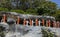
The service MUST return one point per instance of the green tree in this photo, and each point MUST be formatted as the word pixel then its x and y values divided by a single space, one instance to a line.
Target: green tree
pixel 3 9
pixel 57 14
pixel 6 4
pixel 40 7
pixel 47 8
pixel 31 11
pixel 18 11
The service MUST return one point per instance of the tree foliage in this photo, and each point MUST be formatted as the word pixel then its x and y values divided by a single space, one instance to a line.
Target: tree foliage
pixel 3 9
pixel 19 11
pixel 31 11
pixel 57 15
pixel 37 7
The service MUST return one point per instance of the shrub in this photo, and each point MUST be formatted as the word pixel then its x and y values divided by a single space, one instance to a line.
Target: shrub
pixel 3 9
pixel 48 33
pixel 31 11
pixel 18 11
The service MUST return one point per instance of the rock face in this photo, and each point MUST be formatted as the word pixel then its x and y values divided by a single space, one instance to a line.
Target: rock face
pixel 24 31
pixel 3 24
pixel 27 31
pixel 33 31
pixel 10 21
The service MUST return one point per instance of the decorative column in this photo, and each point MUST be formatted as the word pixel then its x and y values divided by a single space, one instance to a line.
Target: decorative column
pixel 30 22
pixel 43 22
pixel 24 22
pixel 54 23
pixel 36 22
pixel 18 20
pixel 39 22
pixel 58 23
pixel 46 23
pixel 4 18
pixel 49 23
pixel 27 22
